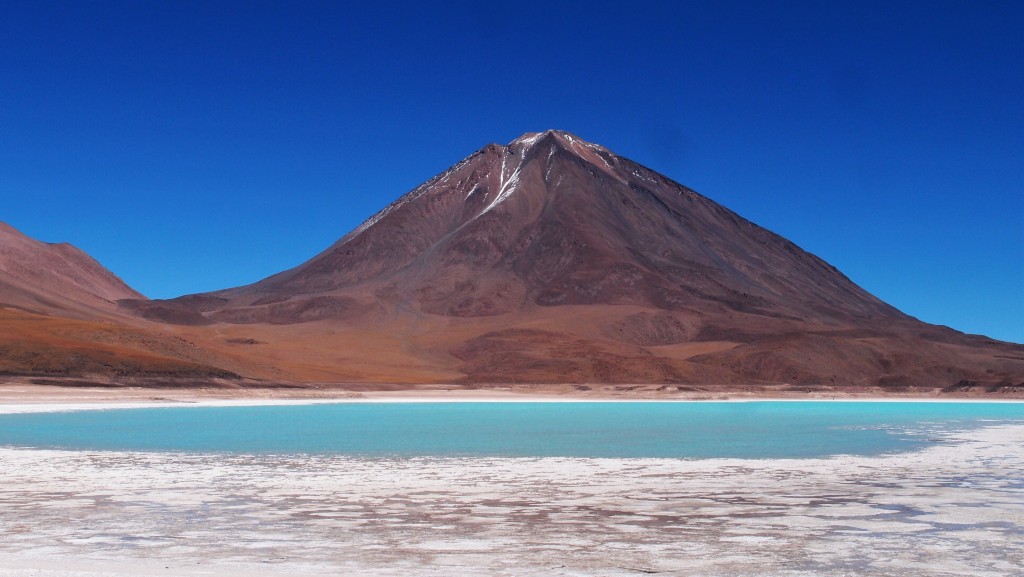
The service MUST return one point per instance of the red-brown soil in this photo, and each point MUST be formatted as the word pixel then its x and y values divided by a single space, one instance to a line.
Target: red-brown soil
pixel 40 345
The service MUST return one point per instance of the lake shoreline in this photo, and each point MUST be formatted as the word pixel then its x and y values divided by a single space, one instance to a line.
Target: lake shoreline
pixel 18 397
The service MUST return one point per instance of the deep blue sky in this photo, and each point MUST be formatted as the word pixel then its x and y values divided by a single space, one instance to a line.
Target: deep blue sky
pixel 191 146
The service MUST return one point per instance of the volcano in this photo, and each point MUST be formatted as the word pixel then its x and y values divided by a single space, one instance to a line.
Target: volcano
pixel 554 260
pixel 551 220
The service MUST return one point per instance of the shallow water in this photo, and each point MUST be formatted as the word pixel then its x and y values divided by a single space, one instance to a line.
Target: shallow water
pixel 754 430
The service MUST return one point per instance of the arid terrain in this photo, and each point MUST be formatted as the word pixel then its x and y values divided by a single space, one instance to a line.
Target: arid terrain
pixel 549 264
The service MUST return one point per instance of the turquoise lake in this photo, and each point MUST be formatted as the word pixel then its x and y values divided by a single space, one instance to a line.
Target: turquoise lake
pixel 587 429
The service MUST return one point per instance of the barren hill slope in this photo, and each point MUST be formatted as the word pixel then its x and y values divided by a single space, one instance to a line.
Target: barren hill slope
pixel 56 278
pixel 59 318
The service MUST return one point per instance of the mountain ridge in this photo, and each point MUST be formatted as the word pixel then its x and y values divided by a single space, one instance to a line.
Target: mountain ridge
pixel 51 277
pixel 60 317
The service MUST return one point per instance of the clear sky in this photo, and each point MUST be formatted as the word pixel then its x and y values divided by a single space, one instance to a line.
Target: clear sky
pixel 197 145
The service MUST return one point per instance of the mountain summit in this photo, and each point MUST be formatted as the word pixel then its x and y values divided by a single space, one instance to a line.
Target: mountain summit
pixel 552 259
pixel 553 220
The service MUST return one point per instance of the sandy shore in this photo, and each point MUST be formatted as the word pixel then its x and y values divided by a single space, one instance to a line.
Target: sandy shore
pixel 19 397
pixel 956 508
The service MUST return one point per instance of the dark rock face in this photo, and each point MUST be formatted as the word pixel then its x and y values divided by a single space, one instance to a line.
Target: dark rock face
pixel 552 259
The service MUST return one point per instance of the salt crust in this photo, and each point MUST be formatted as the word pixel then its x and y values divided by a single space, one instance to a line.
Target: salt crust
pixel 955 508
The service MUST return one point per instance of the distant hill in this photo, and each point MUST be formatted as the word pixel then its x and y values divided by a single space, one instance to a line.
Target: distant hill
pixel 59 318
pixel 56 278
